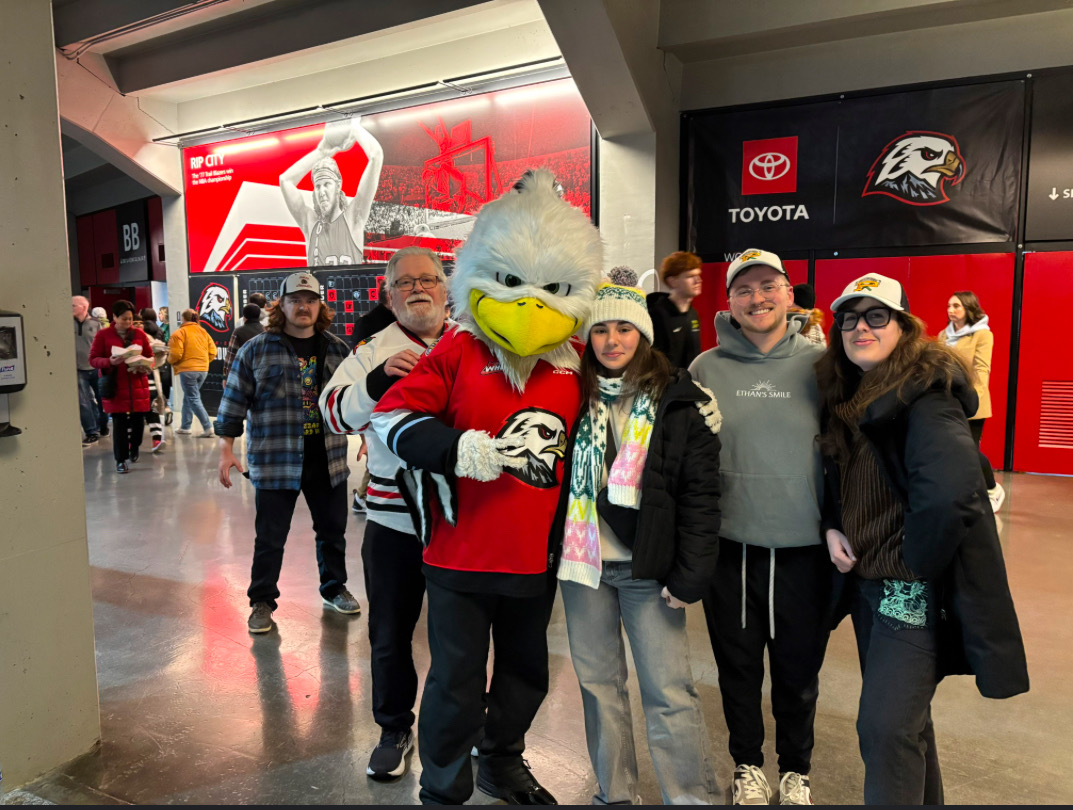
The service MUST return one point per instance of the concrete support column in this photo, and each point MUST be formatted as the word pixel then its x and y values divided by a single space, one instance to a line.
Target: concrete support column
pixel 178 277
pixel 48 683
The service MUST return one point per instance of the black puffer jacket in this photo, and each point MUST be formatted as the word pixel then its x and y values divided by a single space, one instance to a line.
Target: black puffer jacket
pixel 923 444
pixel 678 523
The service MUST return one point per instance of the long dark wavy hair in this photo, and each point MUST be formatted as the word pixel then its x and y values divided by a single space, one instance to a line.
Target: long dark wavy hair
pixel 276 319
pixel 916 362
pixel 649 371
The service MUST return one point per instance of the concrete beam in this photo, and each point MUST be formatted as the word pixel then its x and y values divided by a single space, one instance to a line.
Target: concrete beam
pixel 265 32
pixel 116 128
pixel 77 21
pixel 590 45
pixel 698 30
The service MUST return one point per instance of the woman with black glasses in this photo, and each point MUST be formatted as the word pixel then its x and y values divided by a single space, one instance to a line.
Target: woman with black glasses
pixel 909 523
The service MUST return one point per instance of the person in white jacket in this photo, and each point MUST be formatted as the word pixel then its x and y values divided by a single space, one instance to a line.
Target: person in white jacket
pixel 391 550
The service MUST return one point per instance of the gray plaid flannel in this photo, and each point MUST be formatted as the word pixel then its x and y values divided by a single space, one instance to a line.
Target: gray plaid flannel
pixel 265 388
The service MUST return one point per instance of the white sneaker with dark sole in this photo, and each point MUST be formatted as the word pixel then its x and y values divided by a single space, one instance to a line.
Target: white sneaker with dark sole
pixel 997 496
pixel 750 786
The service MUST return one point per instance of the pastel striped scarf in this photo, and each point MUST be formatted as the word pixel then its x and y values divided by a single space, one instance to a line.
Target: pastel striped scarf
pixel 581 561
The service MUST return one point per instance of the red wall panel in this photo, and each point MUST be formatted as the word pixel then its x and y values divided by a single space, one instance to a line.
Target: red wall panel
pixel 106 246
pixel 713 296
pixel 1045 358
pixel 929 282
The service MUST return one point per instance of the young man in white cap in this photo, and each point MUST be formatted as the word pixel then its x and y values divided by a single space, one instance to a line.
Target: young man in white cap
pixel 334 225
pixel 773 575
pixel 275 381
pixel 390 552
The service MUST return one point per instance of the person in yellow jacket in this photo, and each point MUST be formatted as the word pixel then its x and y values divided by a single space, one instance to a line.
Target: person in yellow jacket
pixel 190 350
pixel 970 337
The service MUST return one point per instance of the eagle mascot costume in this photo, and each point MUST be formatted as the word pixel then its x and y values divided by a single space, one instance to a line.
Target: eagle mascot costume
pixel 482 423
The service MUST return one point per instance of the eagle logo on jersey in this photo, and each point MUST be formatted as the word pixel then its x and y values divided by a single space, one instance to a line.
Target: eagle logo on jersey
pixel 543 436
pixel 916 167
pixel 214 307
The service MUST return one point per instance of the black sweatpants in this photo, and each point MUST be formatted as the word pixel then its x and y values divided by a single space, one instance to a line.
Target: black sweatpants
pixel 395 586
pixel 127 432
pixel 802 587
pixel 275 508
pixel 452 706
pixel 899 669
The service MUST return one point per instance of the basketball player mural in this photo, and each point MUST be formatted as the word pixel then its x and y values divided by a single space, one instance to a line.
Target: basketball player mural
pixel 334 225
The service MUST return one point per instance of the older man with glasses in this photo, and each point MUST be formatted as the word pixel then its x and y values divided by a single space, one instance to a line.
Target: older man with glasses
pixel 770 591
pixel 391 552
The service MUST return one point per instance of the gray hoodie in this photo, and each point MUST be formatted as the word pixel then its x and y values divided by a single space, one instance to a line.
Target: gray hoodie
pixel 769 465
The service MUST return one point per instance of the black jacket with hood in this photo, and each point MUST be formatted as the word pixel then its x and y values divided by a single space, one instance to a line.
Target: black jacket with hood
pixel 677 537
pixel 922 442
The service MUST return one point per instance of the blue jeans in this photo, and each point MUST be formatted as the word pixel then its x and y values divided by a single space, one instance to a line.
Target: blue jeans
pixel 677 734
pixel 93 417
pixel 191 382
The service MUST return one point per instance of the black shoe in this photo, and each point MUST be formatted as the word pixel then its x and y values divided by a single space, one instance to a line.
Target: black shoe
pixel 122 467
pixel 92 438
pixel 388 759
pixel 260 620
pixel 510 779
pixel 104 431
pixel 134 456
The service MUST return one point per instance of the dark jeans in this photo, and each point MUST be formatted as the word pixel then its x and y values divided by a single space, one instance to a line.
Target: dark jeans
pixel 976 427
pixel 395 586
pixel 802 592
pixel 92 415
pixel 452 706
pixel 900 672
pixel 275 507
pixel 127 431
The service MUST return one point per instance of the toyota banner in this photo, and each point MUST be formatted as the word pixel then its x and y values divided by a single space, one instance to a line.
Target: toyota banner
pixel 927 167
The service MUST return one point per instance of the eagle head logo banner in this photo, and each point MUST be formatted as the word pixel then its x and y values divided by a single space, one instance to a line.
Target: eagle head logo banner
pixel 214 308
pixel 916 168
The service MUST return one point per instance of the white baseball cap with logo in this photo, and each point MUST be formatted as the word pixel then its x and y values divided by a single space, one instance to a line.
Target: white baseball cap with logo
pixel 885 290
pixel 299 282
pixel 753 258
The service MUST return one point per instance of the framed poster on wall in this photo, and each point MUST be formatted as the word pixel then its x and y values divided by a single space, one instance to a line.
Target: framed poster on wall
pixel 359 188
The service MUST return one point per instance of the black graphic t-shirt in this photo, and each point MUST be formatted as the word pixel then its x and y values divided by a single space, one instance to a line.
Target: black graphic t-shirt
pixel 306 349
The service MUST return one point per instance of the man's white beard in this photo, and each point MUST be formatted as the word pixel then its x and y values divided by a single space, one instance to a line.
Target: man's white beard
pixel 432 318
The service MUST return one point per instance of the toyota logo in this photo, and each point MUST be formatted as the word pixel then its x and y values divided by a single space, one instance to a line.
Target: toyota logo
pixel 769 166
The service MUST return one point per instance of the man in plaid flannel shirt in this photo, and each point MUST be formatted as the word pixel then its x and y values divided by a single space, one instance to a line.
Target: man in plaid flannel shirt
pixel 274 383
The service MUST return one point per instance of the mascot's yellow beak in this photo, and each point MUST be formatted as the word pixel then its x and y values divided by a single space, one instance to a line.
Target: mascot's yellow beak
pixel 559 448
pixel 524 327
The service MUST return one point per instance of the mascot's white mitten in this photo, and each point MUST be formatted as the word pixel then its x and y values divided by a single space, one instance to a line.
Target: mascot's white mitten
pixel 483 458
pixel 709 410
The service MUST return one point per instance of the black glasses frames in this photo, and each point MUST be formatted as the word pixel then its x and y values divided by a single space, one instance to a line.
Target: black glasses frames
pixel 876 317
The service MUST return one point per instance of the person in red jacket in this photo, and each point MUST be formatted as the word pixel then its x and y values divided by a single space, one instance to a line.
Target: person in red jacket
pixel 124 386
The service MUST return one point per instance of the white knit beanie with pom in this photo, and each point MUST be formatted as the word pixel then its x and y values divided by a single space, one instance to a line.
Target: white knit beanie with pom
pixel 619 299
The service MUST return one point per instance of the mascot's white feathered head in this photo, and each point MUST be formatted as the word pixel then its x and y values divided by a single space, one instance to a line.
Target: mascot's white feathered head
pixel 915 167
pixel 526 278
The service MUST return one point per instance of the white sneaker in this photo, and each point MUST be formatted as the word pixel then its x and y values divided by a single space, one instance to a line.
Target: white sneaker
pixel 997 496
pixel 794 789
pixel 750 786
pixel 183 431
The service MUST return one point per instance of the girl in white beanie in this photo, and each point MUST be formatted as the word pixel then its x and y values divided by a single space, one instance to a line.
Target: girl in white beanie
pixel 640 526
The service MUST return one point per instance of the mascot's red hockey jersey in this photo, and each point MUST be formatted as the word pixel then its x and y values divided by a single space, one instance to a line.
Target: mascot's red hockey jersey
pixel 482 421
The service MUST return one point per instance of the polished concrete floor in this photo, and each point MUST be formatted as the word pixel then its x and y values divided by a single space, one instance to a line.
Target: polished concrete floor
pixel 195 710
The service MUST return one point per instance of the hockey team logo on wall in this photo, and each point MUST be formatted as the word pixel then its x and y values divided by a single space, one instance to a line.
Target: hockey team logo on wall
pixel 916 168
pixel 214 308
